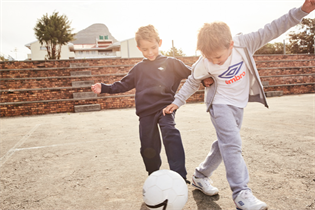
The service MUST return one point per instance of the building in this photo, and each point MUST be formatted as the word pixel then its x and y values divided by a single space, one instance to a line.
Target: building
pixel 104 48
pixel 39 52
pixel 129 49
pixel 93 42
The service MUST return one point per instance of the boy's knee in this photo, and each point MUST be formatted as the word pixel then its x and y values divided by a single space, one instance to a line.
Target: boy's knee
pixel 148 153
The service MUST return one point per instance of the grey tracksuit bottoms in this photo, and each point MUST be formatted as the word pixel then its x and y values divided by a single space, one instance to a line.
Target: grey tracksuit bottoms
pixel 227 121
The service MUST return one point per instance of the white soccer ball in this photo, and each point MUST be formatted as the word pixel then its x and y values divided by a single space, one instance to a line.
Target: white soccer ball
pixel 165 190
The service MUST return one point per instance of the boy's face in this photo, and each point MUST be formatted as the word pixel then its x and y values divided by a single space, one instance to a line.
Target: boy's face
pixel 220 56
pixel 150 49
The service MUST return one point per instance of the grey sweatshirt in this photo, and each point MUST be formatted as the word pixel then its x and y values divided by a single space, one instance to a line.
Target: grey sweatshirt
pixel 246 45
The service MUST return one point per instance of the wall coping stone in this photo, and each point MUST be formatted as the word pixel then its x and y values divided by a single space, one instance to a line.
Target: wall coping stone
pixel 53 68
pixel 288 75
pixel 38 89
pixel 63 77
pixel 291 67
pixel 59 100
pixel 296 84
pixel 119 58
pixel 119 74
pixel 275 55
pixel 46 69
pixel 268 61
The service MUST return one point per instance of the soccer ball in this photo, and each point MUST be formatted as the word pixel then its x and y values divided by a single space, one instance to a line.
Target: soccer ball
pixel 165 190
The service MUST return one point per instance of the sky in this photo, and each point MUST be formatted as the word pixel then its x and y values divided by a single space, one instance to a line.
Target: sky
pixel 177 20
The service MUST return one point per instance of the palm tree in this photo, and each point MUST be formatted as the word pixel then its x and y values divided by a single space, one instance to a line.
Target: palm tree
pixel 53 32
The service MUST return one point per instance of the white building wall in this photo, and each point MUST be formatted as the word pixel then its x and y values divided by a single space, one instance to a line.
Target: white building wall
pixel 129 49
pixel 65 53
pixel 39 52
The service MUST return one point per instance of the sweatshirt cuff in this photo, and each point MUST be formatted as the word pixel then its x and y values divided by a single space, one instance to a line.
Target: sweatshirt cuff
pixel 301 14
pixel 105 88
pixel 178 102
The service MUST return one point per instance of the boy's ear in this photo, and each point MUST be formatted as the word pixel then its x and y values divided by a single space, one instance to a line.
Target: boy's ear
pixel 160 42
pixel 231 44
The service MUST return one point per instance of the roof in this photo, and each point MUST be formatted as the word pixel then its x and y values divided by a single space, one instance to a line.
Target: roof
pixel 29 44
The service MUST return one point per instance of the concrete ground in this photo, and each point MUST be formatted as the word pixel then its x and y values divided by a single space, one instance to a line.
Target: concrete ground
pixel 92 160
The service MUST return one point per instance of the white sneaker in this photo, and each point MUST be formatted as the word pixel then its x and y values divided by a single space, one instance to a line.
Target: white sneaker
pixel 204 184
pixel 245 200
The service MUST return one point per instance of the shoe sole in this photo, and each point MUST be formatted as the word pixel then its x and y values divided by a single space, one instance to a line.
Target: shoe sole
pixel 199 188
pixel 263 208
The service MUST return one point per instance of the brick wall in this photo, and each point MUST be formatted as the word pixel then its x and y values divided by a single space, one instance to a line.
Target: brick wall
pixel 43 87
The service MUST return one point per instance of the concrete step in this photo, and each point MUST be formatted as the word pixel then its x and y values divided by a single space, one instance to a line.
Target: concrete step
pixel 74 65
pixel 265 83
pixel 82 83
pixel 84 95
pixel 80 73
pixel 273 93
pixel 87 108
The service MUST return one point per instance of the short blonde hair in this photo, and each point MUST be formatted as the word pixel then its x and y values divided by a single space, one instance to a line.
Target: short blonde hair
pixel 148 33
pixel 212 37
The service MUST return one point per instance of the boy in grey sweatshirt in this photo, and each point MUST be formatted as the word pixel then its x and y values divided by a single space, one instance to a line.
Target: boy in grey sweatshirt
pixel 227 69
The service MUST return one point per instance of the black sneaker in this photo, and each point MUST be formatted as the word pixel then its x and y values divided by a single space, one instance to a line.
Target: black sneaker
pixel 187 181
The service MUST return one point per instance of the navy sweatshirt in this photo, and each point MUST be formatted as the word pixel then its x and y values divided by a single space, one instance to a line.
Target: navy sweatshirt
pixel 156 83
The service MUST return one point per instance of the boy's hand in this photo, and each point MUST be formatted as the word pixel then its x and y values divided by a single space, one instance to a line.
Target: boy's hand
pixel 169 109
pixel 207 82
pixel 96 88
pixel 308 6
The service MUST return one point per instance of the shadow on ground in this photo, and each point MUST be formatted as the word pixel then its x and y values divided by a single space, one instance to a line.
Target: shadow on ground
pixel 205 202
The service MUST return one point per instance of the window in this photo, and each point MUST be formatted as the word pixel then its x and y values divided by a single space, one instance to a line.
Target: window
pixel 42 47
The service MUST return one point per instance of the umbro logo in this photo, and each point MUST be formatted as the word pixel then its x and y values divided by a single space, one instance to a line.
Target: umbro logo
pixel 241 203
pixel 232 71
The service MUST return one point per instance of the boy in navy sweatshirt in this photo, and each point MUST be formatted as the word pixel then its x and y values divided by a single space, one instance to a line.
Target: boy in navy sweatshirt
pixel 156 79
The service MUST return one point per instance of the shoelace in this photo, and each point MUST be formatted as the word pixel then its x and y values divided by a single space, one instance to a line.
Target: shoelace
pixel 208 181
pixel 246 194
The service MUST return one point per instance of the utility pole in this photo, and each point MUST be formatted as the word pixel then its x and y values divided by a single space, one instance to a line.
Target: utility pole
pixel 284 46
pixel 173 48
pixel 15 51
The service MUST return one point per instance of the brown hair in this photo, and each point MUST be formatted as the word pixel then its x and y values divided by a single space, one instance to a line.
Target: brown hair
pixel 148 33
pixel 212 37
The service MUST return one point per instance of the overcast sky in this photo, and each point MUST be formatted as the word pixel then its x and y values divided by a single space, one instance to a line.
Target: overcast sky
pixel 177 20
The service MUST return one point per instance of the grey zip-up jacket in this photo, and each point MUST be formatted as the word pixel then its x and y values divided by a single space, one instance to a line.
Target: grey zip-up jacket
pixel 245 45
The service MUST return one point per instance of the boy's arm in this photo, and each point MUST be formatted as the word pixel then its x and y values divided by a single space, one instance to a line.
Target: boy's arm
pixel 125 84
pixel 255 40
pixel 192 84
pixel 190 87
pixel 181 69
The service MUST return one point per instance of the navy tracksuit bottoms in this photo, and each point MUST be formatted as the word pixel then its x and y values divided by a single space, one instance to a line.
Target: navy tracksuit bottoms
pixel 151 143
